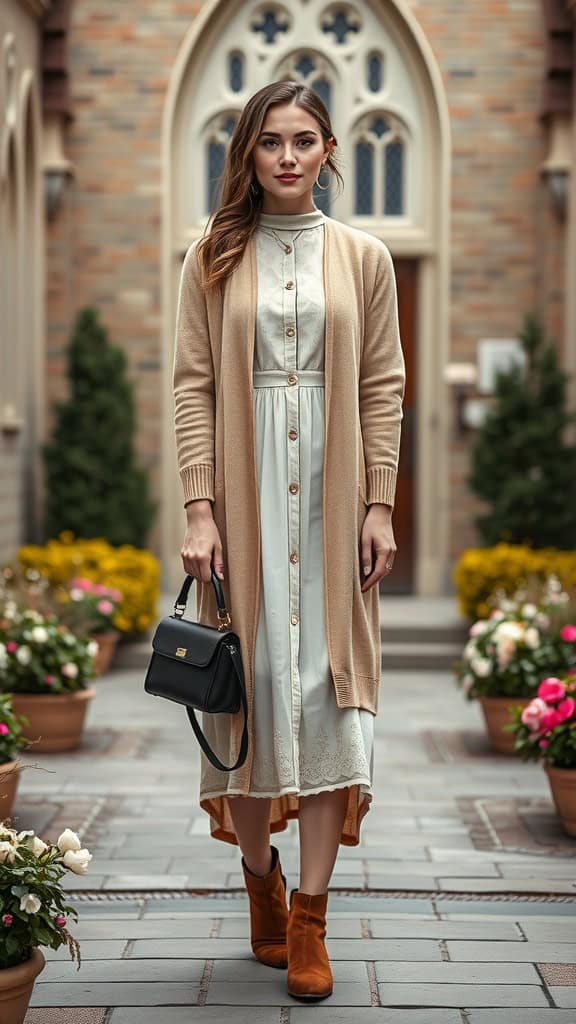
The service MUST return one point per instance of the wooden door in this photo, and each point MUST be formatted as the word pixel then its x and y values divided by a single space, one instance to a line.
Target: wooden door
pixel 401 579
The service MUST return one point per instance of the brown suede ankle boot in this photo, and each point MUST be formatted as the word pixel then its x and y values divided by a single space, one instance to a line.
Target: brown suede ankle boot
pixel 268 913
pixel 309 972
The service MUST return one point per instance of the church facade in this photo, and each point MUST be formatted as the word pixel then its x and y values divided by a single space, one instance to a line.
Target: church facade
pixel 457 143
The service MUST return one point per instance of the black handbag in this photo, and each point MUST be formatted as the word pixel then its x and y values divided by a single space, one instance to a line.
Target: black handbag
pixel 201 667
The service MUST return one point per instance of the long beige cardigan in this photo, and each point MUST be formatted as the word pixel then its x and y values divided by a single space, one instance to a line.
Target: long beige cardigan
pixel 214 427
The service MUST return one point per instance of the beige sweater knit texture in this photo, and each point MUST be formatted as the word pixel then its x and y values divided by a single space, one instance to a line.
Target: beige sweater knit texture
pixel 214 429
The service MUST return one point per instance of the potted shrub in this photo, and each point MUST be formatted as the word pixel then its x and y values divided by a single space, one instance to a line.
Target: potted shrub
pixel 90 608
pixel 33 911
pixel 11 741
pixel 545 730
pixel 46 668
pixel 508 654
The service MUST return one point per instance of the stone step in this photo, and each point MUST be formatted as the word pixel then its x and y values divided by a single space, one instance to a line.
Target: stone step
pixel 420 655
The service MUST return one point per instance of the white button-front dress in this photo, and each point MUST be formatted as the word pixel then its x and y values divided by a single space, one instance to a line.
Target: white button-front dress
pixel 302 742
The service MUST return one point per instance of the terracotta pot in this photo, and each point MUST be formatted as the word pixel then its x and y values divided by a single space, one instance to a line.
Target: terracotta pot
pixel 107 643
pixel 16 984
pixel 563 787
pixel 9 778
pixel 496 714
pixel 58 719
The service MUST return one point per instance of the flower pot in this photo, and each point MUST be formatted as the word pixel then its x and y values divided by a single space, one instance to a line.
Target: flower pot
pixel 496 714
pixel 107 643
pixel 9 778
pixel 54 720
pixel 563 787
pixel 16 984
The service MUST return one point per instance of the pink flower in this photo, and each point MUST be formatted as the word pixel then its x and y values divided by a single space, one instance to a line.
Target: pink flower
pixel 550 719
pixel 49 680
pixel 105 607
pixel 551 689
pixel 80 583
pixel 544 743
pixel 566 708
pixel 7 919
pixel 60 920
pixel 568 633
pixel 532 713
pixel 116 595
pixel 99 588
pixel 4 730
pixel 11 646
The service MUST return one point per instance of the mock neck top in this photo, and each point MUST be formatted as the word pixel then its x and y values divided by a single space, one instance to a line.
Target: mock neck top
pixel 292 221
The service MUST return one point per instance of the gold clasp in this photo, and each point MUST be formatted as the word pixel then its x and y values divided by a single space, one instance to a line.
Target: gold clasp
pixel 225 621
pixel 181 652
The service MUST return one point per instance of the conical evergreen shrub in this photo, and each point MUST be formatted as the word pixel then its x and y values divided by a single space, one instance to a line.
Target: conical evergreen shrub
pixel 94 486
pixel 522 466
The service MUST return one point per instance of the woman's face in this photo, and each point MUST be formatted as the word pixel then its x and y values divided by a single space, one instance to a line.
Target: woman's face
pixel 290 143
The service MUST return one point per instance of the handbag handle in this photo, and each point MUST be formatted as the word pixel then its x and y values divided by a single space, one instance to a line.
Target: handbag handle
pixel 180 604
pixel 243 742
pixel 225 622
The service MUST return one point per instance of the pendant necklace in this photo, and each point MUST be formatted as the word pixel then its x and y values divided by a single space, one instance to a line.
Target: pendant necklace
pixel 283 245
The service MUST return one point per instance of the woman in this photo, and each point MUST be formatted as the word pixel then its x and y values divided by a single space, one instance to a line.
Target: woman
pixel 288 386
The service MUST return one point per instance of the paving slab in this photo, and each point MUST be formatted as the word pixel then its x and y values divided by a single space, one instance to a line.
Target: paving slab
pixel 449 817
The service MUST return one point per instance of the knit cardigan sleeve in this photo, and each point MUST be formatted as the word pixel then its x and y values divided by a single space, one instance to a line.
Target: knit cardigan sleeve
pixel 193 381
pixel 381 386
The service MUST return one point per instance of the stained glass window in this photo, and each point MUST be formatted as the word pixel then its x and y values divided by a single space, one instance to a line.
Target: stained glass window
pixel 270 25
pixel 394 179
pixel 364 178
pixel 374 72
pixel 236 71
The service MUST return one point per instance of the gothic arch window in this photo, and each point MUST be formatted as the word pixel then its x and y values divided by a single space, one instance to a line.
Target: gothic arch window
pixel 355 60
pixel 380 166
pixel 218 136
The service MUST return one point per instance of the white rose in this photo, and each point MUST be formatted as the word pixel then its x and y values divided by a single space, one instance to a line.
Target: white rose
pixel 38 846
pixel 93 648
pixel 7 853
pixel 68 841
pixel 39 635
pixel 528 610
pixel 70 670
pixel 3 656
pixel 481 667
pixel 542 620
pixel 532 638
pixel 506 605
pixel 77 861
pixel 510 630
pixel 76 594
pixel 9 611
pixel 30 903
pixel 479 627
pixel 23 655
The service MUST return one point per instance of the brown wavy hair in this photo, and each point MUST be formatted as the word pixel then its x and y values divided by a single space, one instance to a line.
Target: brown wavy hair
pixel 233 224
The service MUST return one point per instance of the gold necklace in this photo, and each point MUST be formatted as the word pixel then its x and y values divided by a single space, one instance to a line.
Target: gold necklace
pixel 287 247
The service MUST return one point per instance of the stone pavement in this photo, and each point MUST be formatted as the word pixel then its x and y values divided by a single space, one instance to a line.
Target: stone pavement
pixel 458 907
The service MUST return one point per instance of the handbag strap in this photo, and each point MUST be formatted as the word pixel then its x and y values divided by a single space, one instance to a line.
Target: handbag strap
pixel 180 603
pixel 244 741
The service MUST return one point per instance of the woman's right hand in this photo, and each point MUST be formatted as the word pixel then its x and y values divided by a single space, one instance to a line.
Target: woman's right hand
pixel 202 546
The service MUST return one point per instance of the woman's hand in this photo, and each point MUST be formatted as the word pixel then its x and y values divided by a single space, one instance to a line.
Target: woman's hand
pixel 202 546
pixel 377 545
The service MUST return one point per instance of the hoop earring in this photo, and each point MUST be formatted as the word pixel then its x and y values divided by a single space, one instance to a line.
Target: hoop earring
pixel 323 188
pixel 253 189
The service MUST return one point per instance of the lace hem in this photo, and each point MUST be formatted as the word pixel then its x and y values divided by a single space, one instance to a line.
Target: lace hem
pixel 363 783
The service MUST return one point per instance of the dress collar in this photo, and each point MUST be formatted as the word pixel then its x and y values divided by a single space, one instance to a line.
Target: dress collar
pixel 292 221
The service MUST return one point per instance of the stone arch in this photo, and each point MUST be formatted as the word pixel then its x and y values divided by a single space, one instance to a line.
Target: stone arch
pixel 423 236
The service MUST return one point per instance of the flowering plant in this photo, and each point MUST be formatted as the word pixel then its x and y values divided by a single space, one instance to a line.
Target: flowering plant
pixel 38 654
pixel 33 911
pixel 11 738
pixel 88 607
pixel 522 640
pixel 546 727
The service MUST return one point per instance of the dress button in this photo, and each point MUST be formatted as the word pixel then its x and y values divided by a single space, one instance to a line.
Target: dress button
pixel 292 434
pixel 293 488
pixel 292 378
pixel 290 331
pixel 289 285
pixel 288 249
pixel 294 620
pixel 294 558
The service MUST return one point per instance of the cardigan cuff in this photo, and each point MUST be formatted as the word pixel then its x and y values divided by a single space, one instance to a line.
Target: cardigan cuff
pixel 381 485
pixel 198 482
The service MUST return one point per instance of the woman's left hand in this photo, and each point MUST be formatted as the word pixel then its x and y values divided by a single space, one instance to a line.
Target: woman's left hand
pixel 377 545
